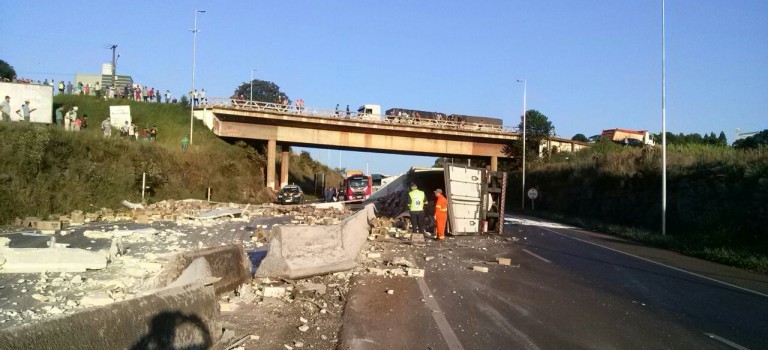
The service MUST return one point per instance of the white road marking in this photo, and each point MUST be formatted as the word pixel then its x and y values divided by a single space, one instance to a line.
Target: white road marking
pixel 442 323
pixel 725 341
pixel 536 256
pixel 660 264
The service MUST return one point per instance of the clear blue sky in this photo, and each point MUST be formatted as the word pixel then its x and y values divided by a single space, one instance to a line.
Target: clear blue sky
pixel 590 64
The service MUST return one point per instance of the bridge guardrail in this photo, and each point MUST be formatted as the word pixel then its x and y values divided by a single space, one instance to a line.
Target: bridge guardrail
pixel 342 114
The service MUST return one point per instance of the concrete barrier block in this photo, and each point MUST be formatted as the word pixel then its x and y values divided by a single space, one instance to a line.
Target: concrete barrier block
pixel 49 225
pixel 179 318
pixel 229 263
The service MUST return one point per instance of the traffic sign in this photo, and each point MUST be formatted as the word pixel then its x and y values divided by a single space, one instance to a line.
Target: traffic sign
pixel 533 194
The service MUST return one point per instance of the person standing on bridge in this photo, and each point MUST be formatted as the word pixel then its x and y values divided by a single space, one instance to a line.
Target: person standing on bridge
pixel 416 201
pixel 441 214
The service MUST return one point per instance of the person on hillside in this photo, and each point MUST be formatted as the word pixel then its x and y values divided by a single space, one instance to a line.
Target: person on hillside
pixel 106 127
pixel 5 107
pixel 153 134
pixel 25 112
pixel 159 96
pixel 79 88
pixel 167 96
pixel 135 131
pixel 131 131
pixel 69 118
pixel 126 91
pixel 87 89
pixel 416 201
pixel 61 87
pixel 347 111
pixel 78 123
pixel 59 115
pixel 441 214
pixel 125 129
pixel 97 89
pixel 144 134
pixel 84 122
pixel 151 94
pixel 201 97
pixel 69 87
pixel 184 143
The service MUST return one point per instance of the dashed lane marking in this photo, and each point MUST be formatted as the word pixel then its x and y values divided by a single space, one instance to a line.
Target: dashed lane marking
pixel 536 256
pixel 725 341
pixel 442 323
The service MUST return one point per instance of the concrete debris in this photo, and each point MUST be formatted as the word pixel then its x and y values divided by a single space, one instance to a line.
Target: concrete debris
pixel 96 299
pixel 273 292
pixel 317 288
pixel 4 241
pixel 57 259
pixel 504 261
pixel 416 272
pixel 390 291
pixel 374 255
pixel 400 261
pixel 228 307
pixel 132 205
pixel 480 268
pixel 303 328
pixel 145 232
pixel 219 213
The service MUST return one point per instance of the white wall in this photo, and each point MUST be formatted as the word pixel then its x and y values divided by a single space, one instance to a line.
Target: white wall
pixel 39 96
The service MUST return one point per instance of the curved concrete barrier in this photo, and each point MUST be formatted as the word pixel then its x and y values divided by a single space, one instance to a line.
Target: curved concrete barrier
pixel 304 251
pixel 183 313
pixel 175 318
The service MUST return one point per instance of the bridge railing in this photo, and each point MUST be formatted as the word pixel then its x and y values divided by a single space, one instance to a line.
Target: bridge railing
pixel 326 113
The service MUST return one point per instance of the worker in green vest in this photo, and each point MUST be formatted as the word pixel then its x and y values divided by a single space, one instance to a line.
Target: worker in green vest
pixel 416 201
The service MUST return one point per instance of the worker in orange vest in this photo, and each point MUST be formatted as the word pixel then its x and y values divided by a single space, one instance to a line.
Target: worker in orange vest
pixel 441 214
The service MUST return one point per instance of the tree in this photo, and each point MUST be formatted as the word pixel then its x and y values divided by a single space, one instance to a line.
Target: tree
pixel 537 128
pixel 264 91
pixel 722 140
pixel 755 141
pixel 6 71
pixel 580 137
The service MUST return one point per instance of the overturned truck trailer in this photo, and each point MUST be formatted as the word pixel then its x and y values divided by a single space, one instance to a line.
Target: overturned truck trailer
pixel 475 197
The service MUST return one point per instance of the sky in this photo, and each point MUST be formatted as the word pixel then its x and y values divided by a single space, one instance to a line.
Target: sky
pixel 589 64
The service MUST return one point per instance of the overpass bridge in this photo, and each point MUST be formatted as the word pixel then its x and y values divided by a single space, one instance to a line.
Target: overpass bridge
pixel 330 128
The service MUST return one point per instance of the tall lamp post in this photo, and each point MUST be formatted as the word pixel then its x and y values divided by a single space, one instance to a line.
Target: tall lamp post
pixel 525 91
pixel 663 130
pixel 252 69
pixel 194 51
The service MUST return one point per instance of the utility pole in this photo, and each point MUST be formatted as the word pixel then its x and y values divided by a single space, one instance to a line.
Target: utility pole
pixel 192 97
pixel 663 128
pixel 114 68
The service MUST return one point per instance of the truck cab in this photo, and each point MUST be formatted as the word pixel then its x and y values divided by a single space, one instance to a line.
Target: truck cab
pixel 369 112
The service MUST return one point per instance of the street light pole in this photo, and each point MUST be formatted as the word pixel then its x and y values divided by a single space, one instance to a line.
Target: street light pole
pixel 663 129
pixel 525 91
pixel 252 83
pixel 194 51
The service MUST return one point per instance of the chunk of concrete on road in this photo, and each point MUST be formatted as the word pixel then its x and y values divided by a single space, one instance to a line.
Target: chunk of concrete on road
pixel 480 268
pixel 274 292
pixel 145 232
pixel 304 251
pixel 198 270
pixel 413 272
pixel 56 259
pixel 96 299
pixel 504 261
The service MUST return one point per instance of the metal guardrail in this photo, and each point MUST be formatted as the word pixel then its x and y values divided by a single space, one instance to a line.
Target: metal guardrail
pixel 356 116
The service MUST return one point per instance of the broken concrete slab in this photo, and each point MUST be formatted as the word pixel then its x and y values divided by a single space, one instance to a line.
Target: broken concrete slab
pixel 480 268
pixel 274 292
pixel 304 251
pixel 413 272
pixel 198 270
pixel 504 261
pixel 145 232
pixel 56 259
pixel 219 213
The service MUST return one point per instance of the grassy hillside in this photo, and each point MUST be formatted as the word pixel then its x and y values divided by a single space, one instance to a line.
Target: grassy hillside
pixel 717 197
pixel 46 170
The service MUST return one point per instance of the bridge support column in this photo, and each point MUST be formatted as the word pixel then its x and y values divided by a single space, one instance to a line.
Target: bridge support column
pixel 494 163
pixel 284 159
pixel 271 150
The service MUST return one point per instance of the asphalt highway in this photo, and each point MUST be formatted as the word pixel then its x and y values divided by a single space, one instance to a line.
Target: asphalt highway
pixel 569 289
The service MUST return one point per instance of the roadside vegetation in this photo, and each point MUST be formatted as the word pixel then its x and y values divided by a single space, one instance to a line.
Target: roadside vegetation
pixel 717 197
pixel 46 170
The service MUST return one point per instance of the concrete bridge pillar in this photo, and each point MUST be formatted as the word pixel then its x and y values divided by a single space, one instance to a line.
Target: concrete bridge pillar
pixel 494 163
pixel 284 159
pixel 271 150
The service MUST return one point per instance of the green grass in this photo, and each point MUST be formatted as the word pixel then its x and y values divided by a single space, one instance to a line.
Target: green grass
pixel 717 197
pixel 45 170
